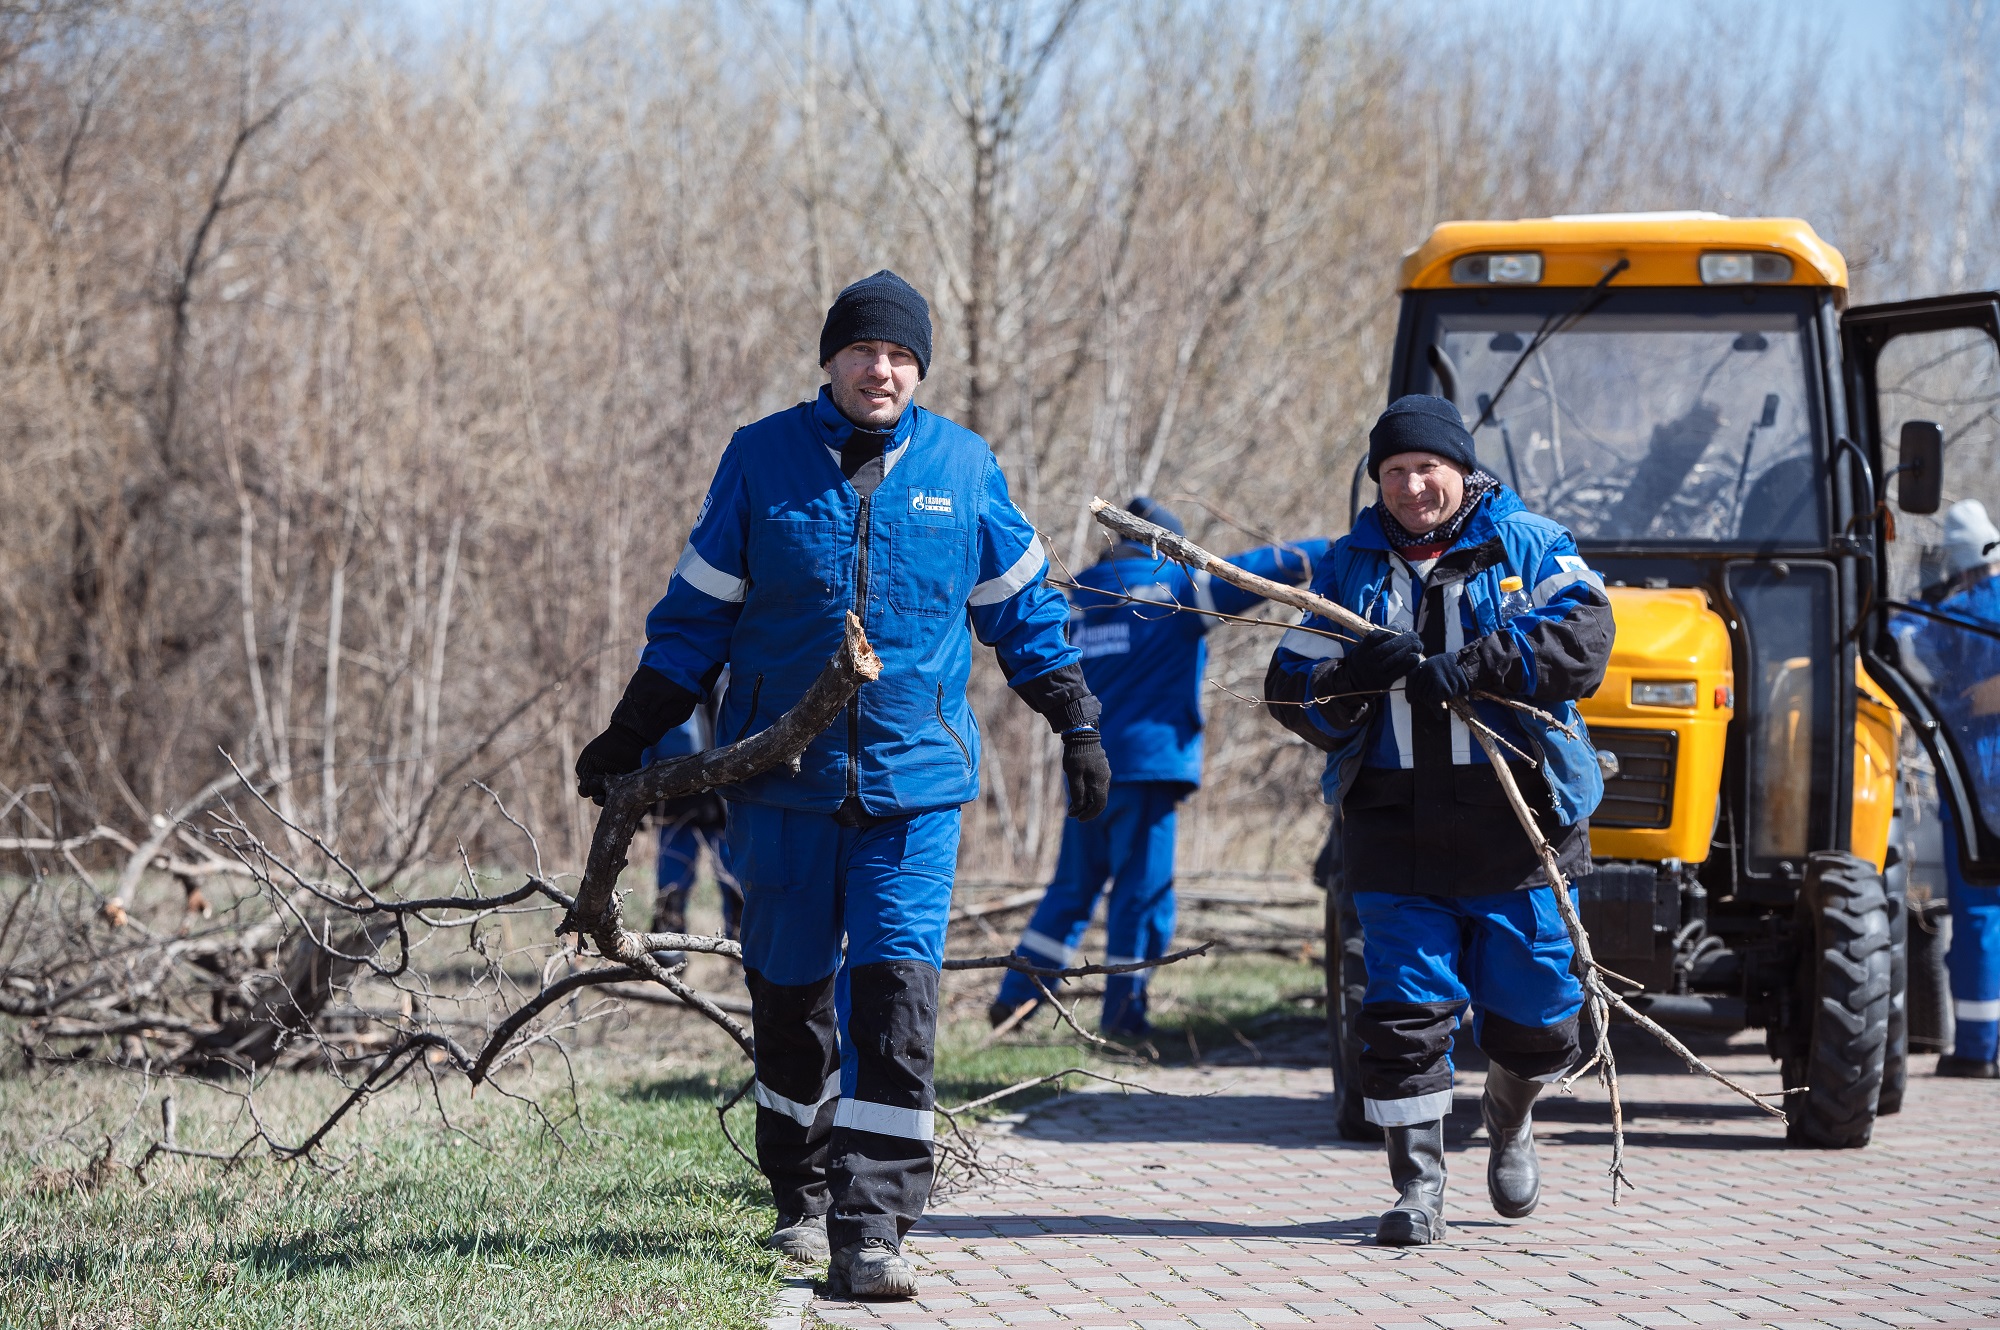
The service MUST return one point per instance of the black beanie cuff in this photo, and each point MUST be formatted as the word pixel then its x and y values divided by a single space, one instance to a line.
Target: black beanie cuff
pixel 881 307
pixel 1420 423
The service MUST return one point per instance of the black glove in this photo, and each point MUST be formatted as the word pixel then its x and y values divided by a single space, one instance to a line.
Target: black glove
pixel 652 705
pixel 1088 771
pixel 1376 661
pixel 1436 681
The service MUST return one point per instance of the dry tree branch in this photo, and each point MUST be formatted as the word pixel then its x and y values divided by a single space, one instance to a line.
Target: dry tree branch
pixel 1599 998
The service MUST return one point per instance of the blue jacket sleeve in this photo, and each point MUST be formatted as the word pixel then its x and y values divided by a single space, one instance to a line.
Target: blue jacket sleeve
pixel 1013 608
pixel 1288 685
pixel 1291 563
pixel 1558 650
pixel 688 632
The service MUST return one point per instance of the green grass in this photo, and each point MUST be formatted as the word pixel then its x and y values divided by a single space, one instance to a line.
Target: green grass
pixel 645 1219
pixel 474 1216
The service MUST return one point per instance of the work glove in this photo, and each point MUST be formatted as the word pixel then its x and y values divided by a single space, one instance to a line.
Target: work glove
pixel 1087 770
pixel 1376 662
pixel 1436 681
pixel 652 705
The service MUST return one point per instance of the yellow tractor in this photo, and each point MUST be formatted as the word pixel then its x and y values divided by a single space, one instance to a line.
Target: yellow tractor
pixel 1692 397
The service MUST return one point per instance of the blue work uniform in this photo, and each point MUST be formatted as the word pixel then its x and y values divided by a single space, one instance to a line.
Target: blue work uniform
pixel 1960 666
pixel 1453 904
pixel 688 826
pixel 847 862
pixel 1145 662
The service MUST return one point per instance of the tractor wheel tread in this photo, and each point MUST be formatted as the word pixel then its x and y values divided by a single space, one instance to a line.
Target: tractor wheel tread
pixel 1847 976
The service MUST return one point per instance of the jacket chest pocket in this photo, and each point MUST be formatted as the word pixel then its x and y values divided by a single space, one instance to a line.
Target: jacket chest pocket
pixel 927 571
pixel 796 562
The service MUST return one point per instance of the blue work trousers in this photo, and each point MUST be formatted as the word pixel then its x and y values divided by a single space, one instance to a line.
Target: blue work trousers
pixel 1507 954
pixel 1973 963
pixel 1131 846
pixel 844 1038
pixel 681 844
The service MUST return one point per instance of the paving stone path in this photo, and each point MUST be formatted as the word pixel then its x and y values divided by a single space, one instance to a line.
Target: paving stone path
pixel 1229 1202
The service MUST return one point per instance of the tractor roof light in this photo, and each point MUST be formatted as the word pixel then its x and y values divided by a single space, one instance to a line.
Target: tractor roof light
pixel 1497 269
pixel 1743 267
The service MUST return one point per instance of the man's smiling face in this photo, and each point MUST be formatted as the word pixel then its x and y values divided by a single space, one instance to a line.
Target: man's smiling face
pixel 872 382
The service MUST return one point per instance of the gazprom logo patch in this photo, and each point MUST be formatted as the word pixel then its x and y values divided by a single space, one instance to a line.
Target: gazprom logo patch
pixel 931 501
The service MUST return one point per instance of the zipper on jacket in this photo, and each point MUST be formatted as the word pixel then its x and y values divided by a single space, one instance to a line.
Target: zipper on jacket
pixel 751 719
pixel 963 751
pixel 861 613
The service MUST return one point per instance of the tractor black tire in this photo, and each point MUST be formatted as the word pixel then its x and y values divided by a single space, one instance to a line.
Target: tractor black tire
pixel 1839 1036
pixel 1896 1055
pixel 1346 984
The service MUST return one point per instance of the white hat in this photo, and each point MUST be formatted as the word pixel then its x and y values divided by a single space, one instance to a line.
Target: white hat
pixel 1968 532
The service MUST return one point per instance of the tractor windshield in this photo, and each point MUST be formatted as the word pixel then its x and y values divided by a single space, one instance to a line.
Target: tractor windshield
pixel 1657 418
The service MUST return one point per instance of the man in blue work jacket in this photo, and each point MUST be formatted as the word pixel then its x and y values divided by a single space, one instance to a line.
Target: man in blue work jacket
pixel 1960 666
pixel 1453 903
pixel 1145 660
pixel 857 501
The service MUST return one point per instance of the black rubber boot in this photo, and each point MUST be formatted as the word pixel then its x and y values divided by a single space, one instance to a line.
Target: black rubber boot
pixel 1971 1069
pixel 1416 1167
pixel 801 1237
pixel 1513 1175
pixel 870 1268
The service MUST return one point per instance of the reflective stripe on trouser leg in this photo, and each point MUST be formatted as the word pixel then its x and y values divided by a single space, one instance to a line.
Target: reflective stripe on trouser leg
pixel 880 1165
pixel 798 1081
pixel 1058 923
pixel 1139 919
pixel 1974 965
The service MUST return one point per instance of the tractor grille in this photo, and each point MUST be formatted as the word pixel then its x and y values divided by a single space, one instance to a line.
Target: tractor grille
pixel 1642 793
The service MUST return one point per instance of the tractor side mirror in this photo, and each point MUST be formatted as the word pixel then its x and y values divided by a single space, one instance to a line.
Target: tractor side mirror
pixel 1920 472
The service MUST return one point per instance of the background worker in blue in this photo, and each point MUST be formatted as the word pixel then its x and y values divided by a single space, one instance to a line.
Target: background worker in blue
pixel 856 501
pixel 1961 667
pixel 1145 662
pixel 688 827
pixel 1451 896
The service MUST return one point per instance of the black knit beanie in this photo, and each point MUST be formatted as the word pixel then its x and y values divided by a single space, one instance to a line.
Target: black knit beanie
pixel 879 308
pixel 1420 423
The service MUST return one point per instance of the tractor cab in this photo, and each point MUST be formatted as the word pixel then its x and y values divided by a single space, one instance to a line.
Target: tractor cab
pixel 1756 471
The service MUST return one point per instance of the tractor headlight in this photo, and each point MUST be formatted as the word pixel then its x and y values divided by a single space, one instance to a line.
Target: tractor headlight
pixel 1742 268
pixel 1677 694
pixel 1505 269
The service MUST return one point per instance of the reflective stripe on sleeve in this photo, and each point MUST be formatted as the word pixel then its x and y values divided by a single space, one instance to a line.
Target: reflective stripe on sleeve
pixel 1405 1112
pixel 706 578
pixel 1047 947
pixel 1972 1009
pixel 912 1124
pixel 1025 570
pixel 1313 646
pixel 803 1114
pixel 1546 589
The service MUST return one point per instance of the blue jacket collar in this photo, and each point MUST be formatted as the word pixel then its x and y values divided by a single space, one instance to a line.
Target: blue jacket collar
pixel 834 428
pixel 1484 525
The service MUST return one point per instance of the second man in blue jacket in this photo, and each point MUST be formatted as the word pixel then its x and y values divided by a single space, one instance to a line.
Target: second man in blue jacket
pixel 1145 659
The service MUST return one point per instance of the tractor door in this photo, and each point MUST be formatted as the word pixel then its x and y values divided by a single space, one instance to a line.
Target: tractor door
pixel 1923 388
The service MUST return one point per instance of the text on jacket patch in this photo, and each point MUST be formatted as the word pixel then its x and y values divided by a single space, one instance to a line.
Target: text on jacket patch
pixel 1103 639
pixel 931 501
